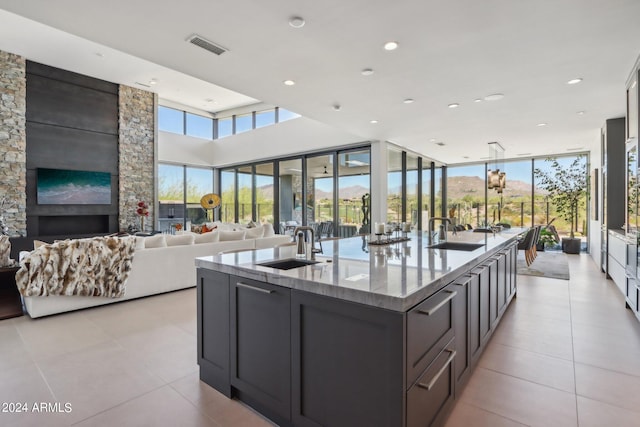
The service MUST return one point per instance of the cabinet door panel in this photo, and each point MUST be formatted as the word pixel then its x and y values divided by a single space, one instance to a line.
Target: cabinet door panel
pixel 461 328
pixel 502 282
pixel 260 344
pixel 475 318
pixel 429 399
pixel 429 329
pixel 347 363
pixel 213 329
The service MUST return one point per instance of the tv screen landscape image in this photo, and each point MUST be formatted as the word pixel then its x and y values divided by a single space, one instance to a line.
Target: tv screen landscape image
pixel 69 187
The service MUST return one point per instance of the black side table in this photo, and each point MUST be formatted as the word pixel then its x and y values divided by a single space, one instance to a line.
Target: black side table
pixel 10 301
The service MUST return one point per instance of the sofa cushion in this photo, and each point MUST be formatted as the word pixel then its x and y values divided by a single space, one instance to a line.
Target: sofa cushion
pixel 211 237
pixel 139 243
pixel 268 229
pixel 226 236
pixel 157 241
pixel 185 239
pixel 254 233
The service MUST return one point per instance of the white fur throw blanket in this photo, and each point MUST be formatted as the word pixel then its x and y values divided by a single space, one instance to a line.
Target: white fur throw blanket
pixel 97 267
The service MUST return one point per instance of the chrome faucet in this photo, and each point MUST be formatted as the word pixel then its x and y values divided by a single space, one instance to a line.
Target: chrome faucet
pixel 430 231
pixel 314 250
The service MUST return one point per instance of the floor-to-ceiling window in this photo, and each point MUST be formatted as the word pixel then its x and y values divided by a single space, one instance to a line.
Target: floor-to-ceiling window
pixel 411 201
pixel 465 194
pixel 228 195
pixel 425 210
pixel 264 193
pixel 354 185
pixel 437 193
pixel 290 195
pixel 199 183
pixel 320 193
pixel 180 189
pixel 170 196
pixel 245 194
pixel 515 207
pixel 394 185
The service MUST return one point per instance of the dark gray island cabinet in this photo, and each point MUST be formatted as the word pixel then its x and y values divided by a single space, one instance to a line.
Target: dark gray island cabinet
pixel 305 359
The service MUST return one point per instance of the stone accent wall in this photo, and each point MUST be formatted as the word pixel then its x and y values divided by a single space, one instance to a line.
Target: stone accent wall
pixel 136 155
pixel 13 145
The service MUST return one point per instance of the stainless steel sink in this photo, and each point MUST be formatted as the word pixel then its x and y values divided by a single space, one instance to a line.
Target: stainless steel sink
pixel 287 264
pixel 457 246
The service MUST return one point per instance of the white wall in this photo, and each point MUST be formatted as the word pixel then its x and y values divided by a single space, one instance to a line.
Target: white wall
pixel 595 240
pixel 183 149
pixel 301 135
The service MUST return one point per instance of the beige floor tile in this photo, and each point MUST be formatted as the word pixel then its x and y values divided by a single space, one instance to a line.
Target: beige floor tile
pixel 125 318
pixel 12 349
pixel 530 366
pixel 97 378
pixel 25 387
pixel 549 343
pixel 58 335
pixel 519 400
pixel 232 413
pixel 608 386
pixel 615 355
pixel 151 341
pixel 195 390
pixel 592 413
pixel 171 363
pixel 465 415
pixel 161 407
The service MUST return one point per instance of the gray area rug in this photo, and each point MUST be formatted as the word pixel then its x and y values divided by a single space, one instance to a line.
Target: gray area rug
pixel 553 265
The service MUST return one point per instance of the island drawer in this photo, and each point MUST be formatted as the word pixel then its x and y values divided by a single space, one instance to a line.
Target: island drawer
pixel 429 330
pixel 429 399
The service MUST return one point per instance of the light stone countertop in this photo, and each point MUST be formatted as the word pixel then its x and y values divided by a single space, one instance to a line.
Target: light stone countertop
pixel 394 277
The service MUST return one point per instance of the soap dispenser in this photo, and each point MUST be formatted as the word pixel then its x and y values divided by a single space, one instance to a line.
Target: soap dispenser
pixel 301 251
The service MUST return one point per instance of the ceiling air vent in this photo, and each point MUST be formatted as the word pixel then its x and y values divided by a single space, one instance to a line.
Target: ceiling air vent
pixel 206 44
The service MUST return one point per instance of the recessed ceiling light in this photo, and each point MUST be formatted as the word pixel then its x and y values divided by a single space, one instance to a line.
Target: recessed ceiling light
pixel 477 100
pixel 390 45
pixel 541 124
pixel 289 82
pixel 100 54
pixel 580 113
pixel 454 105
pixel 209 100
pixel 432 140
pixel 574 81
pixel 373 122
pixel 494 97
pixel 296 22
pixel 337 107
pixel 367 72
pixel 441 144
pixel 409 101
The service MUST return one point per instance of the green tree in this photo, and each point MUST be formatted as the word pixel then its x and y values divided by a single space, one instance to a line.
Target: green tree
pixel 567 187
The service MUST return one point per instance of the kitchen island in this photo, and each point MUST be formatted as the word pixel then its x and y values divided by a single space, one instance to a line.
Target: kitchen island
pixel 368 335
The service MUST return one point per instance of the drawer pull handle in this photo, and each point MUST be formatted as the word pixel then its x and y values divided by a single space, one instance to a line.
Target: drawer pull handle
pixel 254 288
pixel 437 307
pixel 435 379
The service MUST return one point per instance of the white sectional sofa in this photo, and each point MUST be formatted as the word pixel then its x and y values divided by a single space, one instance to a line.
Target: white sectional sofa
pixel 160 264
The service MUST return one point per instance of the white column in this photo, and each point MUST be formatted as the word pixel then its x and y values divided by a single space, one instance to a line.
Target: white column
pixel 378 182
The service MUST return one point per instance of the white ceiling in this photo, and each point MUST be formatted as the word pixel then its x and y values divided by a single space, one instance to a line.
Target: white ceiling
pixel 450 52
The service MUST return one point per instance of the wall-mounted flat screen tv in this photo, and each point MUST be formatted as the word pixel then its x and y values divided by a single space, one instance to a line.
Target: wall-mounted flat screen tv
pixel 69 187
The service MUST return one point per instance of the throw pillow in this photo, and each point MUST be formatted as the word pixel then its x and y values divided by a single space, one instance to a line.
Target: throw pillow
pixel 157 241
pixel 268 229
pixel 254 233
pixel 139 243
pixel 196 228
pixel 212 237
pixel 226 236
pixel 185 239
pixel 38 243
pixel 207 229
pixel 252 224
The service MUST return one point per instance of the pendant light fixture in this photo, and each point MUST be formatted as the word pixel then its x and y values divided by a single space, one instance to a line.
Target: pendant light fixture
pixel 496 179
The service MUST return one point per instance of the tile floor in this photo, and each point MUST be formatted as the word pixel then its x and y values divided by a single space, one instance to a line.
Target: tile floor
pixel 566 353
